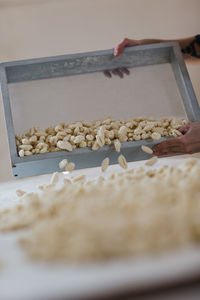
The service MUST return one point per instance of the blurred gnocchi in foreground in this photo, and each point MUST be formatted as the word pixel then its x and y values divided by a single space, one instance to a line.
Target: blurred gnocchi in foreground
pixel 130 213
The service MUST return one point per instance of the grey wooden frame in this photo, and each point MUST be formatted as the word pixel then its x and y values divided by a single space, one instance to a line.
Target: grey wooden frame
pixel 64 65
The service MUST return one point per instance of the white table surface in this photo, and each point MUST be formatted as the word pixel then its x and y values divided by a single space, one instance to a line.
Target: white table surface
pixel 22 279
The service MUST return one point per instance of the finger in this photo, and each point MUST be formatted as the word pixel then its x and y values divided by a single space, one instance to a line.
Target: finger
pixel 118 73
pixel 165 148
pixel 184 128
pixel 107 74
pixel 124 43
pixel 125 71
pixel 169 147
pixel 119 49
pixel 193 148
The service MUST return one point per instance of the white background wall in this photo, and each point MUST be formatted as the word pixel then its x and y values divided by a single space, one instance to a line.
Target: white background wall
pixel 37 28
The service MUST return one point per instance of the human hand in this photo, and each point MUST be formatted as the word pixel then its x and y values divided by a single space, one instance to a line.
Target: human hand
pixel 118 72
pixel 125 43
pixel 188 142
pixel 117 51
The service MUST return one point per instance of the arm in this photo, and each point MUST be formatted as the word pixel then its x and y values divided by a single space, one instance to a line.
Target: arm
pixel 189 141
pixel 182 42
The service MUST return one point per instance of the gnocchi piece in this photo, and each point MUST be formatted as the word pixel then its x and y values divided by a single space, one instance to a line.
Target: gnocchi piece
pixel 176 132
pixel 123 131
pixel 95 146
pixel 44 150
pixel 156 136
pixel 111 134
pixel 147 149
pixel 33 139
pixel 79 178
pixel 89 137
pixel 138 131
pixel 63 163
pixel 70 167
pixel 107 141
pixel 26 147
pixel 21 153
pixel 54 178
pixel 151 161
pixel 25 142
pixel 117 145
pixel 105 164
pixel 78 139
pixel 53 140
pixel 100 140
pixel 122 161
pixel 101 131
pixel 144 136
pixel 27 153
pixel 64 146
pixel 123 138
pixel 137 137
pixel 83 144
pixel 41 145
pixel 20 193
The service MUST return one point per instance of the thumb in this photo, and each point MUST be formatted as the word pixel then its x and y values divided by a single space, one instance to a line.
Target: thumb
pixel 184 128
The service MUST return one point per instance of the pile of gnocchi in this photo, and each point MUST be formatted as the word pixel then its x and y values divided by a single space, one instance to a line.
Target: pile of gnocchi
pixel 95 134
